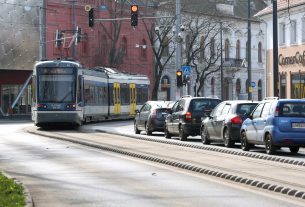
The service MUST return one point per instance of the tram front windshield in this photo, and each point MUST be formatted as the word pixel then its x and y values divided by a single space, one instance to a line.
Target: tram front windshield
pixel 56 85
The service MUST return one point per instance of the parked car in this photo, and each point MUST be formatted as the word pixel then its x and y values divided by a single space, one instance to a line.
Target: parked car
pixel 186 114
pixel 151 117
pixel 224 122
pixel 275 123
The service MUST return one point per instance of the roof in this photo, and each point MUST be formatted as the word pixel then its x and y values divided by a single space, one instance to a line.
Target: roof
pixel 281 5
pixel 228 8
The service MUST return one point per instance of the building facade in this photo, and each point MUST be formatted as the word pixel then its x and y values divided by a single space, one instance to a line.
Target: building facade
pixel 291 48
pixel 234 51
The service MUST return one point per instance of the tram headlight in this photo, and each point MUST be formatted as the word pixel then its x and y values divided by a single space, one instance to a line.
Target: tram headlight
pixel 70 106
pixel 41 106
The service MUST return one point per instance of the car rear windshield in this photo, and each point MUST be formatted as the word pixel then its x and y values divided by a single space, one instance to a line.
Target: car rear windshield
pixel 202 105
pixel 294 109
pixel 246 108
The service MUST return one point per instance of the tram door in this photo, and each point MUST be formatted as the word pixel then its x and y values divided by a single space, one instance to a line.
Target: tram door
pixel 132 98
pixel 117 98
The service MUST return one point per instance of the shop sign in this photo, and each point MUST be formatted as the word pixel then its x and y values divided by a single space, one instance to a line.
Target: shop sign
pixel 298 58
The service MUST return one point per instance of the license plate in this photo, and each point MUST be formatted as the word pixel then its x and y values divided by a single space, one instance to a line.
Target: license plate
pixel 298 125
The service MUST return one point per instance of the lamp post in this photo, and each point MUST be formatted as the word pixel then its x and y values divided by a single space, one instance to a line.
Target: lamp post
pixel 275 51
pixel 249 54
pixel 178 43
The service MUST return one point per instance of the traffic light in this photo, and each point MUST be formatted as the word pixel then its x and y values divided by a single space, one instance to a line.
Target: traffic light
pixel 91 17
pixel 179 78
pixel 134 10
pixel 58 38
pixel 78 35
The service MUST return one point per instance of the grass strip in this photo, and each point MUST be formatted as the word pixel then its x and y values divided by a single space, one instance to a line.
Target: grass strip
pixel 11 193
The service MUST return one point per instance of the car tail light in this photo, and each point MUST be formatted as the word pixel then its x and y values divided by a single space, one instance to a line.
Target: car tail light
pixel 188 116
pixel 277 110
pixel 153 113
pixel 236 120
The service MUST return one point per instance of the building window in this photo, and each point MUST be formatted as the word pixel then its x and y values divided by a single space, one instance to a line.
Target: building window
pixel 303 29
pixel 143 49
pixel 247 51
pixel 282 33
pixel 187 44
pixel 227 49
pixel 259 90
pixel 164 94
pixel 212 48
pixel 213 86
pixel 238 87
pixel 165 47
pixel 298 85
pixel 293 32
pixel 259 50
pixel 282 85
pixel 124 47
pixel 202 46
pixel 237 49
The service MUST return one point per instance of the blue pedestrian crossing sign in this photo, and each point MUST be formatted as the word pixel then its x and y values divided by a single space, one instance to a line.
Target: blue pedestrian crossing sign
pixel 186 70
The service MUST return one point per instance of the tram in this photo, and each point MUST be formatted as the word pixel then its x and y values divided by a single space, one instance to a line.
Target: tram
pixel 66 93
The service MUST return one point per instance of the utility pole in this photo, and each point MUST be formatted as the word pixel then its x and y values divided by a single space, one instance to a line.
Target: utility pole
pixel 275 51
pixel 249 54
pixel 73 27
pixel 221 63
pixel 178 42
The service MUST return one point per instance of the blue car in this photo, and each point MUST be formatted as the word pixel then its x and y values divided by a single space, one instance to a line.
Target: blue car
pixel 275 123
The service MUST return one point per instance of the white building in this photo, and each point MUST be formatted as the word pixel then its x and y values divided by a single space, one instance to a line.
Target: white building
pixel 234 40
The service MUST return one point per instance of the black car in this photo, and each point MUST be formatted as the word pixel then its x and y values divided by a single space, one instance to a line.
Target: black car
pixel 186 115
pixel 224 122
pixel 151 117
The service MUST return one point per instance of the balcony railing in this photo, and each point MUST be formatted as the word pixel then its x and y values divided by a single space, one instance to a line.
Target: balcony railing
pixel 233 62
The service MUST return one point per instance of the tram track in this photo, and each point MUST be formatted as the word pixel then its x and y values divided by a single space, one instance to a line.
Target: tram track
pixel 154 153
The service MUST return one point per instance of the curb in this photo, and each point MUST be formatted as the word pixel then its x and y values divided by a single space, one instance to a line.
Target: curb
pixel 26 192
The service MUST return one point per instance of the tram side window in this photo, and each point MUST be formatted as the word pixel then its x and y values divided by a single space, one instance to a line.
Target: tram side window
pixel 142 95
pixel 125 95
pixel 111 94
pixel 86 93
pixel 34 89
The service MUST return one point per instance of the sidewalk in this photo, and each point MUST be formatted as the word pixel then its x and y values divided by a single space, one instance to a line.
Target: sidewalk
pixel 15 118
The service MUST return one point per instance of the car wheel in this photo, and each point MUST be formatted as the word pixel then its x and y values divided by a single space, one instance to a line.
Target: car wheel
pixel 182 134
pixel 167 134
pixel 294 150
pixel 269 147
pixel 245 146
pixel 147 129
pixel 136 130
pixel 204 135
pixel 227 139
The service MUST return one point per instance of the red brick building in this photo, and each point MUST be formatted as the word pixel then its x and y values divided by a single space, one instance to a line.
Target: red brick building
pixel 29 33
pixel 95 45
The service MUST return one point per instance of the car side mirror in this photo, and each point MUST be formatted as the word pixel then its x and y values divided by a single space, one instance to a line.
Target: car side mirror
pixel 251 117
pixel 137 111
pixel 207 113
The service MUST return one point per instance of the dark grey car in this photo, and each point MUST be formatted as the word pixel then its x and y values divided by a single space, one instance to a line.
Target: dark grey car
pixel 224 122
pixel 151 117
pixel 186 115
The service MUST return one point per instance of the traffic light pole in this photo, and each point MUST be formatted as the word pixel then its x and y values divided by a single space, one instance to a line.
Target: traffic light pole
pixel 178 43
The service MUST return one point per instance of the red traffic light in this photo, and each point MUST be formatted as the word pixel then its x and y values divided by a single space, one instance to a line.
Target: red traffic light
pixel 134 8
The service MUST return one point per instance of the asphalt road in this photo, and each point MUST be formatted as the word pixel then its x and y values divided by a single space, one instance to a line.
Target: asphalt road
pixel 59 173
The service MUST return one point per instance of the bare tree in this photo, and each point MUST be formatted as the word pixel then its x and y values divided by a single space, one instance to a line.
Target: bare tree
pixel 160 37
pixel 112 30
pixel 202 47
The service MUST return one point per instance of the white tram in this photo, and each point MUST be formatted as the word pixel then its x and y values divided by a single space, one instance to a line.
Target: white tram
pixel 66 93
